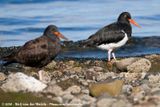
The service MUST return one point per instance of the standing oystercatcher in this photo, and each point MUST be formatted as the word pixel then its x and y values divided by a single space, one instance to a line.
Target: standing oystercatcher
pixel 113 35
pixel 40 51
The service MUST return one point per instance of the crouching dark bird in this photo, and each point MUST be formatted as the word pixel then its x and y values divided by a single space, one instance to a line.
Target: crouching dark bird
pixel 40 51
pixel 112 36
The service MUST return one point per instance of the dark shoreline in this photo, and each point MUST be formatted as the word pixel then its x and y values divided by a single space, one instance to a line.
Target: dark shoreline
pixel 136 47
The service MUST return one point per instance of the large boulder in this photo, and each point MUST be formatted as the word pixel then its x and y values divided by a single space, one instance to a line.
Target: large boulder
pixel 20 82
pixel 132 65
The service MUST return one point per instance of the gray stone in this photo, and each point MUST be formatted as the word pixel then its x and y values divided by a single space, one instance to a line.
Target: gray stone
pixel 20 82
pixel 54 89
pixel 74 89
pixel 127 89
pixel 105 102
pixel 142 65
pixel 133 65
pixel 121 103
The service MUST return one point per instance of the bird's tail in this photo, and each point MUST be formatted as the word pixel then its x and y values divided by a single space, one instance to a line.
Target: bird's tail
pixel 85 43
pixel 10 59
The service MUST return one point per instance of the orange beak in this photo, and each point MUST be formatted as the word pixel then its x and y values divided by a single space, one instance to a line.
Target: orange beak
pixel 133 22
pixel 58 34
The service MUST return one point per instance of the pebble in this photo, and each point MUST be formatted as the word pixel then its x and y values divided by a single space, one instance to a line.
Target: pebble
pixel 2 76
pixel 127 89
pixel 45 77
pixel 121 103
pixel 105 102
pixel 74 89
pixel 54 89
pixel 51 65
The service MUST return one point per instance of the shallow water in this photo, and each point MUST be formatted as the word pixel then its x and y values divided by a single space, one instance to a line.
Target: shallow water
pixel 23 20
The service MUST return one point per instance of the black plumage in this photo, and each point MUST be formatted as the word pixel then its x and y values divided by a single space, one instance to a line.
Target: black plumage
pixel 40 51
pixel 113 35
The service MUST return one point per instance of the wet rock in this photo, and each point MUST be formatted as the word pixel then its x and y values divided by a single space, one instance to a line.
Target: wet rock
pixel 2 76
pixel 105 102
pixel 132 65
pixel 112 88
pixel 20 82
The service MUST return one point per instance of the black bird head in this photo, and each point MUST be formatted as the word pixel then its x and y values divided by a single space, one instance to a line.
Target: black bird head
pixel 52 30
pixel 126 18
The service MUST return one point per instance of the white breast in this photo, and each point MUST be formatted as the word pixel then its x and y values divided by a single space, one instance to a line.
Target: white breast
pixel 114 45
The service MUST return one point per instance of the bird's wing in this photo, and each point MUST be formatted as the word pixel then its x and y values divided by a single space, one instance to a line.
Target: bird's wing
pixel 108 34
pixel 33 51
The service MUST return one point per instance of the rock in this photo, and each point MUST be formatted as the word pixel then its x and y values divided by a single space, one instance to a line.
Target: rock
pixel 67 97
pixel 127 89
pixel 87 99
pixel 102 76
pixel 75 103
pixel 97 68
pixel 112 88
pixel 20 82
pixel 105 102
pixel 132 65
pixel 122 64
pixel 77 69
pixel 121 103
pixel 130 77
pixel 54 89
pixel 51 65
pixel 45 77
pixel 2 76
pixel 85 91
pixel 74 89
pixel 142 65
pixel 58 99
pixel 71 63
pixel 154 78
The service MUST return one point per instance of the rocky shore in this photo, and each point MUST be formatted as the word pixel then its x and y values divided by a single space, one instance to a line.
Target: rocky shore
pixel 128 82
pixel 132 81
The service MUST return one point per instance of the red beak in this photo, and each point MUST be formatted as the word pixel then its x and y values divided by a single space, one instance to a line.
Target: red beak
pixel 58 34
pixel 133 22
